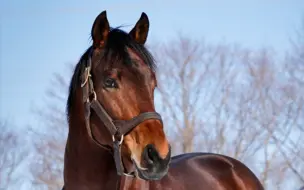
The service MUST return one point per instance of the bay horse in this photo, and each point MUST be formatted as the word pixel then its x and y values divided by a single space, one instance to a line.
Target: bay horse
pixel 116 138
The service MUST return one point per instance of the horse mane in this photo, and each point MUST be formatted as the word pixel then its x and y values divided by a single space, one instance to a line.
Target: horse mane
pixel 117 43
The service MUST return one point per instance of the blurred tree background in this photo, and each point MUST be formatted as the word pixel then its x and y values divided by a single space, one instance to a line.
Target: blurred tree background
pixel 228 99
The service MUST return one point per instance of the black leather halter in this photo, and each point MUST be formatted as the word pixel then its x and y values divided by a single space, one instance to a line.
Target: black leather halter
pixel 117 128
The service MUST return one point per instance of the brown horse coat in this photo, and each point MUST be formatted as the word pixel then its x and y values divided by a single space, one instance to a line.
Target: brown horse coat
pixel 114 130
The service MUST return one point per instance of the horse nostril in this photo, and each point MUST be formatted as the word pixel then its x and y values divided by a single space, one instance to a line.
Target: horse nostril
pixel 151 154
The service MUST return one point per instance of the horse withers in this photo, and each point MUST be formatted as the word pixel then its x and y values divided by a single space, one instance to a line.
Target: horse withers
pixel 116 138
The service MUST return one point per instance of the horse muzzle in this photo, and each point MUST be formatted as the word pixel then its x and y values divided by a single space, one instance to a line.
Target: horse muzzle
pixel 153 167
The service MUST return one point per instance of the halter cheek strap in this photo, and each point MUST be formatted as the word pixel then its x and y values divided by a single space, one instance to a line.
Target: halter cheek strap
pixel 117 128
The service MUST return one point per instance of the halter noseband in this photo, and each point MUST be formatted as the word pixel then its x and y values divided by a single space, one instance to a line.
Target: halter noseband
pixel 117 128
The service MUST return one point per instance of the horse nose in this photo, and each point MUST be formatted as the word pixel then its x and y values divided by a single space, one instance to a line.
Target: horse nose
pixel 153 160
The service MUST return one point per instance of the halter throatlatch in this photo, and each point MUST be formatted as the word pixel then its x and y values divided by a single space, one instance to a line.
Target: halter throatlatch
pixel 117 128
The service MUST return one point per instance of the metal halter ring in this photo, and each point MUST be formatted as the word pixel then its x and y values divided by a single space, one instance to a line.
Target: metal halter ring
pixel 94 97
pixel 121 139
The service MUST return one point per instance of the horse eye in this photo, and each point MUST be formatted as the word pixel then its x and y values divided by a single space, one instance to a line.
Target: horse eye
pixel 110 83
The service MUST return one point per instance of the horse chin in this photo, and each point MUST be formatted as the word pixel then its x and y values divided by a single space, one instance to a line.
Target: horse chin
pixel 145 174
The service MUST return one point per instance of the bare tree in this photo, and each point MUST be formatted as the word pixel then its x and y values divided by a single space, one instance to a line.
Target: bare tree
pixel 229 100
pixel 296 57
pixel 11 156
pixel 202 96
pixel 47 165
pixel 282 110
pixel 293 146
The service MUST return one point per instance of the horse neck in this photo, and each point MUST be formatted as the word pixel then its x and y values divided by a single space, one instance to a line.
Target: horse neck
pixel 85 162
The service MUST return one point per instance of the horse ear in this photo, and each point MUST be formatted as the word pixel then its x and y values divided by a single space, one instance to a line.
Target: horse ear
pixel 140 31
pixel 100 30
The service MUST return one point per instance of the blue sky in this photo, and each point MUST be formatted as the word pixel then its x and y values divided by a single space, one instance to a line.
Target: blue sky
pixel 39 37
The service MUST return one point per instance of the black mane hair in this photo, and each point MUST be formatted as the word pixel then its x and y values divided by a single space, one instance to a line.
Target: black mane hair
pixel 115 47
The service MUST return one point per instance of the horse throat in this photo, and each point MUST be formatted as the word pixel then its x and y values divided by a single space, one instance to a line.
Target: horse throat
pixel 86 164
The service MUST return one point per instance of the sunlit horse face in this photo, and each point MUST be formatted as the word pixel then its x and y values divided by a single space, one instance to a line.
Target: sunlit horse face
pixel 124 81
